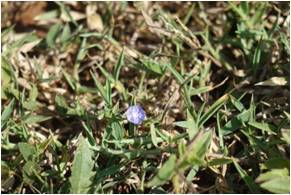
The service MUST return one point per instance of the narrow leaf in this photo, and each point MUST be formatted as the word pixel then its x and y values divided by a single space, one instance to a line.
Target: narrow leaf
pixel 100 88
pixel 7 113
pixel 175 73
pixel 247 179
pixel 196 152
pixel 31 119
pixel 264 127
pixel 66 33
pixel 190 125
pixel 211 111
pixel 235 122
pixel 154 135
pixel 52 35
pixel 165 173
pixel 118 66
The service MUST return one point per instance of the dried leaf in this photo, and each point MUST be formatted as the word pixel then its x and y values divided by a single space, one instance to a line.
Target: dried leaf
pixel 94 21
pixel 75 16
pixel 274 81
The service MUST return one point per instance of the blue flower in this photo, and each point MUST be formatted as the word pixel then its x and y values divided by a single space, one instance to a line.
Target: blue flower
pixel 135 114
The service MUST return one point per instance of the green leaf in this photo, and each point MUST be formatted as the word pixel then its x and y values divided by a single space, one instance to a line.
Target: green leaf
pixel 66 33
pixel 181 148
pixel 118 66
pixel 82 52
pixel 263 126
pixel 27 151
pixel 213 108
pixel 103 173
pixel 235 122
pixel 197 150
pixel 278 185
pixel 220 135
pixel 89 133
pixel 252 110
pixel 276 181
pixel 190 125
pixel 165 173
pixel 31 105
pixel 31 119
pixel 83 164
pixel 41 147
pixel 7 113
pixel 200 90
pixel 70 80
pixel 6 76
pixel 108 92
pixel 100 88
pixel 239 11
pixel 52 35
pixel 260 11
pixel 192 173
pixel 61 104
pixel 277 163
pixel 117 130
pixel 176 74
pixel 236 102
pixel 33 93
pixel 30 171
pixel 151 65
pixel 154 135
pixel 247 179
pixel 117 84
pixel 5 33
pixel 28 38
pixel 256 58
pixel 274 173
pixel 245 7
pixel 183 124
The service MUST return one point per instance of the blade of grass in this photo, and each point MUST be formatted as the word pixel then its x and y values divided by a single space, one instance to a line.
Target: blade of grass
pixel 118 66
pixel 100 88
pixel 247 179
pixel 213 108
pixel 7 113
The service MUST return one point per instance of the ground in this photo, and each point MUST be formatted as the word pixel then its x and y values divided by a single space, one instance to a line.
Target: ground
pixel 211 77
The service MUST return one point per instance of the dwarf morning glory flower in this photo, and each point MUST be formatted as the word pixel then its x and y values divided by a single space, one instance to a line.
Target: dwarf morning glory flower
pixel 135 114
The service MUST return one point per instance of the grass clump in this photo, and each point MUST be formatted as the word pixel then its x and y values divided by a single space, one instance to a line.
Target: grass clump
pixel 212 78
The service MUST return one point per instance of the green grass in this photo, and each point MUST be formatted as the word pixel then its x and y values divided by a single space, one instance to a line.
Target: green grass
pixel 213 79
